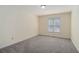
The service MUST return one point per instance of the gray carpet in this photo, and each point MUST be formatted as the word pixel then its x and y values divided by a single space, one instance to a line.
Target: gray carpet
pixel 42 44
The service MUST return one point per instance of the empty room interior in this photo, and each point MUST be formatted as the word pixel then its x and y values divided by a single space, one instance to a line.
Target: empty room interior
pixel 39 28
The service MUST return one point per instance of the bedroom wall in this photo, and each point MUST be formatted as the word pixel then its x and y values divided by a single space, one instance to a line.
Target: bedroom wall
pixel 16 24
pixel 75 26
pixel 65 27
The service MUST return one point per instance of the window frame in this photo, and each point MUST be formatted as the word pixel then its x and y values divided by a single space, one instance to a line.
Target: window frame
pixel 53 26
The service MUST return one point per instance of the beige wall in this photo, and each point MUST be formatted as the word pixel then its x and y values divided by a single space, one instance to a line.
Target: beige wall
pixel 16 24
pixel 65 25
pixel 75 26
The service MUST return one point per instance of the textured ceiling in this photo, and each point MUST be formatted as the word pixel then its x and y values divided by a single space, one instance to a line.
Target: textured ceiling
pixel 37 10
pixel 49 9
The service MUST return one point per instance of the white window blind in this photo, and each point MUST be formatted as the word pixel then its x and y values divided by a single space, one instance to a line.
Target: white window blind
pixel 54 24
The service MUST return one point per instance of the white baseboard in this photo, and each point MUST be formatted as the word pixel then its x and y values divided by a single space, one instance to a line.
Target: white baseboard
pixel 75 45
pixel 11 43
pixel 55 36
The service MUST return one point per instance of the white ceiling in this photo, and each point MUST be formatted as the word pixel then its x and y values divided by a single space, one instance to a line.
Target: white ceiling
pixel 37 10
pixel 50 9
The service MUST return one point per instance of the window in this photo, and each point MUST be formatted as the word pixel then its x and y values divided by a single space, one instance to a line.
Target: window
pixel 54 24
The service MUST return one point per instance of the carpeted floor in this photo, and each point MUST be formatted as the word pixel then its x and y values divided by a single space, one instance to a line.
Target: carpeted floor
pixel 42 44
